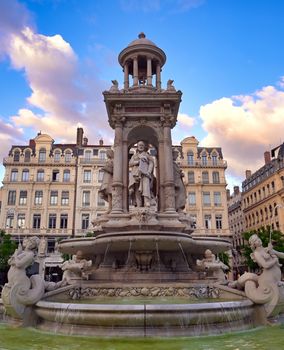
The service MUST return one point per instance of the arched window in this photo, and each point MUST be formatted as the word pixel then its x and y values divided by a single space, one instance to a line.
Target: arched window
pixel 57 155
pixel 204 158
pixel 205 177
pixel 17 156
pixel 214 158
pixel 42 155
pixel 68 156
pixel 190 159
pixel 216 177
pixel 27 156
pixel 40 175
pixel 14 175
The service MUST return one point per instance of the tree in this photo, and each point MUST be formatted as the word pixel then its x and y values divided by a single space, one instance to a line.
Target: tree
pixel 263 233
pixel 7 248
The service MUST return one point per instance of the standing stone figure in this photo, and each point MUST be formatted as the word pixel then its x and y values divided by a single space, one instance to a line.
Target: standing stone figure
pixel 141 177
pixel 105 191
pixel 180 192
pixel 42 247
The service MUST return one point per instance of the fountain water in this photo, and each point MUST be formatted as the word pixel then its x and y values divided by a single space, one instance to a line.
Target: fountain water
pixel 141 251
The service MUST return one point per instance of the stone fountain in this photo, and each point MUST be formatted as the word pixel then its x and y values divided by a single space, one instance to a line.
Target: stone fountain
pixel 127 278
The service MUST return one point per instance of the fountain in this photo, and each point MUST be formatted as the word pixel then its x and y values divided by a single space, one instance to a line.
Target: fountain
pixel 140 272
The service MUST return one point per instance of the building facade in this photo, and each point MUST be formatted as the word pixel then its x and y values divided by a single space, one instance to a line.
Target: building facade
pixel 263 193
pixel 205 182
pixel 51 189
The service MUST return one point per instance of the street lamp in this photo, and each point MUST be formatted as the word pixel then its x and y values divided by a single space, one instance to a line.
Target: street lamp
pixel 273 218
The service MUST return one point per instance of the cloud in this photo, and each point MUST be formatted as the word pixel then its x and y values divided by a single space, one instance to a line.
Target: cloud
pixel 64 92
pixel 185 120
pixel 183 126
pixel 245 127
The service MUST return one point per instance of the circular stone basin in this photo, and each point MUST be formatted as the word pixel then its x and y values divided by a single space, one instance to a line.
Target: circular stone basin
pixel 144 240
pixel 145 319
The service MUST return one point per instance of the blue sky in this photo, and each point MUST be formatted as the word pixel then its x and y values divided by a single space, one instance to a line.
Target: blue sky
pixel 226 56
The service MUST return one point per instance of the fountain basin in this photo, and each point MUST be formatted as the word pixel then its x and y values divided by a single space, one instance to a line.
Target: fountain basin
pixel 146 319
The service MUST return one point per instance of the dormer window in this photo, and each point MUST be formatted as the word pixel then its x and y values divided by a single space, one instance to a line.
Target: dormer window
pixel 16 156
pixel 68 156
pixel 190 160
pixel 57 155
pixel 27 156
pixel 42 155
pixel 204 159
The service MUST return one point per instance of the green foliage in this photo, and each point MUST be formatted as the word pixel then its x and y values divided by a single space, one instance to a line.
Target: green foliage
pixel 224 257
pixel 7 248
pixel 263 233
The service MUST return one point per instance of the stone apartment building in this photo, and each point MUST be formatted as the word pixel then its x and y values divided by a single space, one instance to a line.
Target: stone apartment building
pixel 263 193
pixel 51 189
pixel 205 182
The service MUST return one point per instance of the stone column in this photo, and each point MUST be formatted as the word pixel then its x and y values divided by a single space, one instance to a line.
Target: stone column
pixel 169 185
pixel 117 200
pixel 126 76
pixel 125 175
pixel 161 206
pixel 158 76
pixel 135 71
pixel 149 71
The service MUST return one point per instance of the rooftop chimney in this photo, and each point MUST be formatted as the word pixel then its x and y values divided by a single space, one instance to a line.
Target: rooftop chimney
pixel 101 142
pixel 228 194
pixel 248 174
pixel 85 141
pixel 80 133
pixel 236 190
pixel 267 157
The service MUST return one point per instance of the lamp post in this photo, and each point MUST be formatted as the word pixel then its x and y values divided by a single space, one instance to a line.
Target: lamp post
pixel 273 219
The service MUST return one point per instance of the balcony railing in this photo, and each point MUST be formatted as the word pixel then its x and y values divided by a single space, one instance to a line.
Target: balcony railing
pixel 208 164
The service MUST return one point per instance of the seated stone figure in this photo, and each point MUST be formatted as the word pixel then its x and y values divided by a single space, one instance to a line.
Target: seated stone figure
pixel 213 265
pixel 76 268
pixel 267 287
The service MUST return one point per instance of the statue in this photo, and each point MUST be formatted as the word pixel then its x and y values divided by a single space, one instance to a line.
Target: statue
pixel 21 291
pixel 180 192
pixel 76 268
pixel 42 247
pixel 170 86
pixel 114 87
pixel 267 287
pixel 105 191
pixel 141 178
pixel 211 264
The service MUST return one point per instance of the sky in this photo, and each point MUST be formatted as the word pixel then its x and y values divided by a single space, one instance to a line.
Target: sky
pixel 226 56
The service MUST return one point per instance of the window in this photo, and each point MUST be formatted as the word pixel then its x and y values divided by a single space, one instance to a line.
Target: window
pixel 55 175
pixel 23 197
pixel 85 221
pixel 63 220
pixel 25 175
pixel 53 197
pixel 65 198
pixel 191 179
pixel 217 199
pixel 88 155
pixel 86 198
pixel 190 159
pixel 66 176
pixel 16 156
pixel 204 159
pixel 38 197
pixel 205 177
pixel 42 155
pixel 36 221
pixel 40 175
pixel 216 177
pixel 191 198
pixel 207 221
pixel 68 156
pixel 193 219
pixel 27 158
pixel 218 219
pixel 214 159
pixel 14 175
pixel 87 176
pixel 57 155
pixel 21 220
pixel 11 197
pixel 206 199
pixel 100 176
pixel 10 220
pixel 52 221
pixel 102 155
